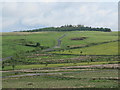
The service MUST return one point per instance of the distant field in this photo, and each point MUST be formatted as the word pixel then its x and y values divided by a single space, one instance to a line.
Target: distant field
pixel 37 66
pixel 18 33
pixel 102 49
pixel 74 59
pixel 76 79
pixel 11 41
pixel 92 37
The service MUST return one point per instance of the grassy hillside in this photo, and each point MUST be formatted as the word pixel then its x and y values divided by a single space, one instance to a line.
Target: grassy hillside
pixel 102 49
pixel 12 42
pixel 60 59
pixel 92 37
pixel 74 79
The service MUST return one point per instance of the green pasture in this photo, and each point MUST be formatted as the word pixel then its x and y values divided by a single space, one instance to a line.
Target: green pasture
pixel 31 58
pixel 79 79
pixel 92 37
pixel 37 66
pixel 94 73
pixel 102 49
pixel 57 59
pixel 11 42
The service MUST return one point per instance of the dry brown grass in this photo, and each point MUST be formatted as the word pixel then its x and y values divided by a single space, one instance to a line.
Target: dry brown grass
pixel 19 33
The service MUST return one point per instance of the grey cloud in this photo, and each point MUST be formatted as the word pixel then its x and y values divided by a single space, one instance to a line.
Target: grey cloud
pixel 56 14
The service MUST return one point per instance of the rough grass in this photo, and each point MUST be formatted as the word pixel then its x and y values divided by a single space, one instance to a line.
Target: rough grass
pixel 93 37
pixel 11 40
pixel 94 73
pixel 64 80
pixel 11 43
pixel 19 33
pixel 55 65
pixel 102 49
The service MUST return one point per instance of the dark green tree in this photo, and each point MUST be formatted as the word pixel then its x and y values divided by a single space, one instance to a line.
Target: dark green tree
pixel 37 44
pixel 13 63
pixel 81 52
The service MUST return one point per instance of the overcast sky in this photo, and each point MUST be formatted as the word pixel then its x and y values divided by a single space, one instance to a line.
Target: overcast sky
pixel 30 15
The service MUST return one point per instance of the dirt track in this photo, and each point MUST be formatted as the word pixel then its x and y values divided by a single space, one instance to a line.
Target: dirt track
pixel 57 46
pixel 95 66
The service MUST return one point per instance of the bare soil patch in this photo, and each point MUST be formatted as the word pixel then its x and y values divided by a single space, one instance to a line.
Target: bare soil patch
pixel 79 38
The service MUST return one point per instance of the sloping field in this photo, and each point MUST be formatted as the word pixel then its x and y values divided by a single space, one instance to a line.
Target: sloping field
pixel 92 37
pixel 95 78
pixel 19 33
pixel 102 49
pixel 34 67
pixel 12 41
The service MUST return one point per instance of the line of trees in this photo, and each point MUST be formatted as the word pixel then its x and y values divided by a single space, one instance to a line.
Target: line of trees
pixel 70 28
